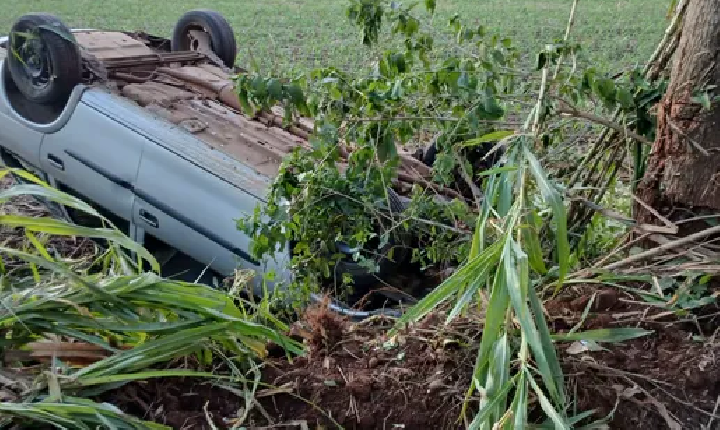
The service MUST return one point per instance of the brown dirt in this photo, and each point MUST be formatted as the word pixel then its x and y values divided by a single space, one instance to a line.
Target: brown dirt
pixel 667 380
pixel 357 377
pixel 353 376
pixel 366 380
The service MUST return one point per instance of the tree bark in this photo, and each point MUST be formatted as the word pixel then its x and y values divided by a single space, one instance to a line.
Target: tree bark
pixel 683 170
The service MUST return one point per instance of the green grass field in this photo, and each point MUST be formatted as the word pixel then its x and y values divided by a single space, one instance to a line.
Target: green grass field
pixel 279 34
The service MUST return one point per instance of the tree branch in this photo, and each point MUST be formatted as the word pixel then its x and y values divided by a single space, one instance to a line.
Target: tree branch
pixel 568 109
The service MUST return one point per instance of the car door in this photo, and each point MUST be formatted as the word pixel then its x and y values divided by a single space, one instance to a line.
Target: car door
pixel 96 158
pixel 192 210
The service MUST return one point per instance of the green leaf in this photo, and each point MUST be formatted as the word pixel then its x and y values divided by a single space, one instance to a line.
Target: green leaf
pixel 484 413
pixel 520 403
pixel 85 415
pixel 547 345
pixel 477 268
pixel 275 89
pixel 546 406
pixel 605 88
pixel 611 335
pixel 624 97
pixel 516 273
pixel 152 374
pixel 52 194
pixel 58 227
pixel 553 199
pixel 531 238
pixel 490 137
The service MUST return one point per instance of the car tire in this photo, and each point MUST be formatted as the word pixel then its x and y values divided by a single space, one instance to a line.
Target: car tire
pixel 51 77
pixel 222 37
pixel 430 154
pixel 361 276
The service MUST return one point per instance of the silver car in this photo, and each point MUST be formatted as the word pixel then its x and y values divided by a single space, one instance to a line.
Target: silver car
pixel 149 131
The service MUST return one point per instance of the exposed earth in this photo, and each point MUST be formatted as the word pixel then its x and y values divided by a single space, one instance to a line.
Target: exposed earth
pixel 356 377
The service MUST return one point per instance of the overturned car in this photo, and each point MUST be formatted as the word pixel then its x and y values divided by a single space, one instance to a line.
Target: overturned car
pixel 149 131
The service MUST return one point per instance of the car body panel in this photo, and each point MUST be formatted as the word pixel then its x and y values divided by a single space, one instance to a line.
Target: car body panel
pixel 24 137
pixel 195 212
pixel 97 157
pixel 110 44
pixel 178 141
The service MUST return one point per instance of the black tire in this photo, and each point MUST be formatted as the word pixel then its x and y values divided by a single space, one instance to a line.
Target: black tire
pixel 222 37
pixel 57 69
pixel 430 154
pixel 362 278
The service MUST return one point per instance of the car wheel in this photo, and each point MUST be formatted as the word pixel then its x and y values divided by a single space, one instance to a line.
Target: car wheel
pixel 221 35
pixel 430 154
pixel 43 58
pixel 388 258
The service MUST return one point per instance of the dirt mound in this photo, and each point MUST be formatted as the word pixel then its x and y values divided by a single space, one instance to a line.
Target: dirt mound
pixel 667 380
pixel 355 376
pixel 367 380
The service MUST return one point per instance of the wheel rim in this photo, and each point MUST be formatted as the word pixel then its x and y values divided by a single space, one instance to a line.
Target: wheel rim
pixel 197 38
pixel 34 58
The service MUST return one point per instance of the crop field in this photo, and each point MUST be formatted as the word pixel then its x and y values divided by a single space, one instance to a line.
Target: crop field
pixel 281 35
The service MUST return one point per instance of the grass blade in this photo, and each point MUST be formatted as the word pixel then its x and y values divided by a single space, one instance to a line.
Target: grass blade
pixel 553 199
pixel 611 335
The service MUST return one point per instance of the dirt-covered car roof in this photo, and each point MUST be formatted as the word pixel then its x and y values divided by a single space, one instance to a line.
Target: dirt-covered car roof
pixel 193 92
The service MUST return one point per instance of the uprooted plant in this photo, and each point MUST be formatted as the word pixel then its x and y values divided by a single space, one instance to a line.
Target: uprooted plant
pixel 503 220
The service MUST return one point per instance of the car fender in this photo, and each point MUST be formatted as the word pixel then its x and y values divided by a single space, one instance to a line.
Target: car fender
pixel 52 127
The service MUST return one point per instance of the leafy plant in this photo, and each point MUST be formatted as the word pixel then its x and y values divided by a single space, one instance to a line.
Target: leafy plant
pixel 520 241
pixel 125 322
pixel 334 192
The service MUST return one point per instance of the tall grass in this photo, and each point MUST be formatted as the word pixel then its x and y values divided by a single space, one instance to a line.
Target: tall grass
pixel 507 267
pixel 129 321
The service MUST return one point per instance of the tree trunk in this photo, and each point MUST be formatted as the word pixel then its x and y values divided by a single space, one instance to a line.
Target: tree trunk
pixel 683 171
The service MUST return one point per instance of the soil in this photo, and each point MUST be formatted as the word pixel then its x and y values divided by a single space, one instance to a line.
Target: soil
pixel 355 377
pixel 667 380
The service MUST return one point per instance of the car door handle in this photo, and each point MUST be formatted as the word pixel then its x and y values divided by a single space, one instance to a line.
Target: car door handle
pixel 56 162
pixel 149 218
